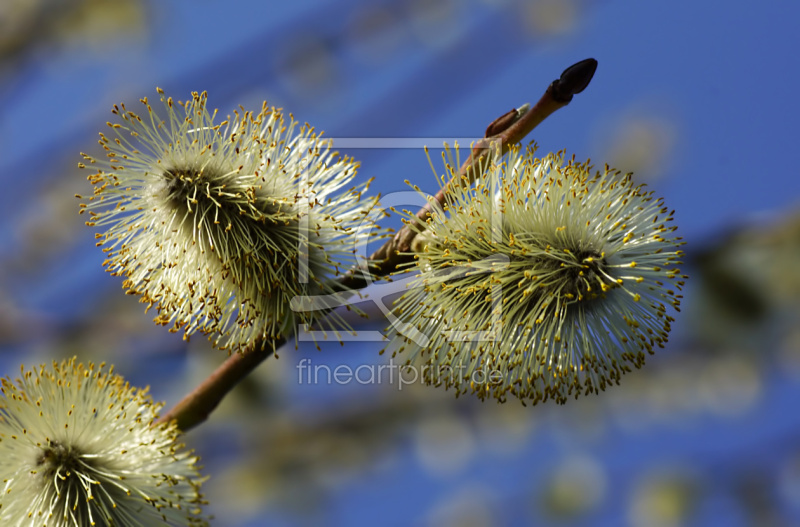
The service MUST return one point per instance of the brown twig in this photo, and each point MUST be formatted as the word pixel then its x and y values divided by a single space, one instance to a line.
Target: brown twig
pixel 198 404
pixel 506 130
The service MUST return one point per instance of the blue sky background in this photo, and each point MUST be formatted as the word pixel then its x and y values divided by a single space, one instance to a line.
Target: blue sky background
pixel 699 100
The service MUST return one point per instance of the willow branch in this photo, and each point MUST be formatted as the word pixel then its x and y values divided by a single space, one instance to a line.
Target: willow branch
pixel 508 129
pixel 198 404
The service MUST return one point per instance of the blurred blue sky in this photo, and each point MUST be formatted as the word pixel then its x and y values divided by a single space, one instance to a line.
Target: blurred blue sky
pixel 699 99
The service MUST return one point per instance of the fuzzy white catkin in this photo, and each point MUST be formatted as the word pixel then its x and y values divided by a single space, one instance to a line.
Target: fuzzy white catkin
pixel 543 280
pixel 78 447
pixel 219 224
